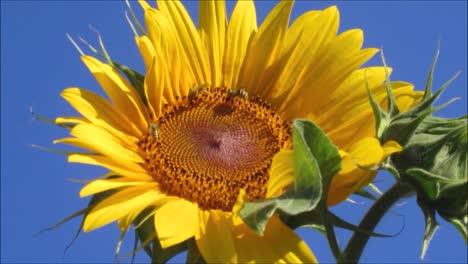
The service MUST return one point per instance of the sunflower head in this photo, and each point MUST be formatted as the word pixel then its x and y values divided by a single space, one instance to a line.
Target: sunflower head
pixel 208 126
pixel 213 142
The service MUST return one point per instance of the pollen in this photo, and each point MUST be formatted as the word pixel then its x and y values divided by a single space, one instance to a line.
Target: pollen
pixel 213 143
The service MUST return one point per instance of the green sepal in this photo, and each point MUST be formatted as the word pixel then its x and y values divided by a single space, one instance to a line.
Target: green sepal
pixel 193 253
pixel 136 79
pixel 341 223
pixel 400 126
pixel 382 119
pixel 119 244
pixel 391 103
pixel 145 231
pixel 366 194
pixel 135 19
pixel 461 223
pixel 135 246
pixel 162 255
pixel 50 121
pixel 435 163
pixel 95 199
pixel 316 160
pixel 146 234
pixel 313 219
pixel 430 228
pixel 63 221
pixel 428 88
pixel 58 151
pixel 404 125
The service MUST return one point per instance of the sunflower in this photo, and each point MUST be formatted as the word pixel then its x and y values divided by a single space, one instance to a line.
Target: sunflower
pixel 212 128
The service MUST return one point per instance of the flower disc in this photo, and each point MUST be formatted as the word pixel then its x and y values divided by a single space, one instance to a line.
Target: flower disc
pixel 214 142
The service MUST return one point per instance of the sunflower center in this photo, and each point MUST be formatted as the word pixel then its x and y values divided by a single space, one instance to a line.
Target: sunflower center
pixel 209 145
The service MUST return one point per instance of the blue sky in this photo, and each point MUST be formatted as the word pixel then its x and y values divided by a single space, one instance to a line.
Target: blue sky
pixel 37 62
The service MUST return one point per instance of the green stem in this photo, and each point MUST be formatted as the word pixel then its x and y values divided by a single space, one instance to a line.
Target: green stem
pixel 358 241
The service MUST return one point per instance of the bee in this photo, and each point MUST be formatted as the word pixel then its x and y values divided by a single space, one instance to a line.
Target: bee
pixel 154 131
pixel 196 90
pixel 237 92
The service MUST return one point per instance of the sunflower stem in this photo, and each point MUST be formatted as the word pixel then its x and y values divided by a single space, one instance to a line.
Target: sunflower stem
pixel 353 251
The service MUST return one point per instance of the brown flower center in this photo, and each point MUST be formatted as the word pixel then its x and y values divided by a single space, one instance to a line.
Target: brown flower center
pixel 209 145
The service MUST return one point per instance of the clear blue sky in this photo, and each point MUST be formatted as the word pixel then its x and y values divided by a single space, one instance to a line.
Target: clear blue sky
pixel 37 62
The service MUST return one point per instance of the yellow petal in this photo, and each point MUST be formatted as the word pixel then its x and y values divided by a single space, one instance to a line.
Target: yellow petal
pixel 122 94
pixel 242 25
pixel 176 221
pixel 101 185
pixel 309 33
pixel 100 112
pixel 188 38
pixel 405 96
pixel 279 244
pixel 144 4
pixel 366 153
pixel 214 237
pixel 130 170
pixel 391 147
pixel 98 140
pixel 281 173
pixel 343 185
pixel 352 90
pixel 264 48
pixel 212 28
pixel 127 220
pixel 121 203
pixel 70 120
pixel 333 64
pixel 147 50
pixel 352 120
pixel 155 83
pixel 170 62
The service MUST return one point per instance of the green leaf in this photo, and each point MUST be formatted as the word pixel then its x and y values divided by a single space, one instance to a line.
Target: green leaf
pixel 316 160
pixel 257 213
pixel 320 147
